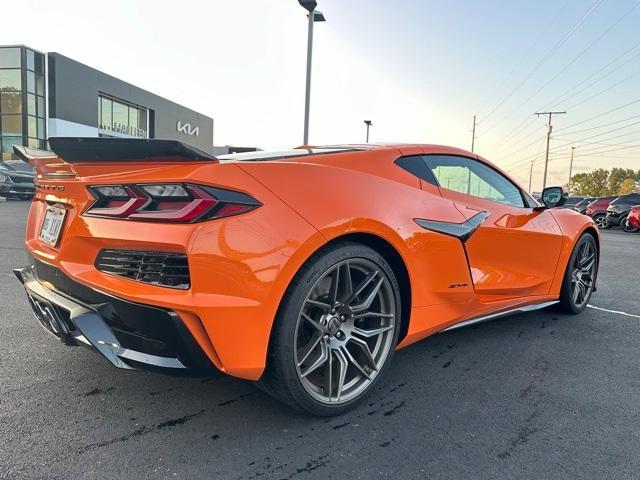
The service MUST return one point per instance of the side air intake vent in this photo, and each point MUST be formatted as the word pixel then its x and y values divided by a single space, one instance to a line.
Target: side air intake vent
pixel 156 268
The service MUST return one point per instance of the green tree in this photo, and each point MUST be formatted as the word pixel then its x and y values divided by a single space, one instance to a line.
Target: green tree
pixel 617 177
pixel 628 185
pixel 594 183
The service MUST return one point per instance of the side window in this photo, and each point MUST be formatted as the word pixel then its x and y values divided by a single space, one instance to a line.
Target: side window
pixel 471 177
pixel 416 165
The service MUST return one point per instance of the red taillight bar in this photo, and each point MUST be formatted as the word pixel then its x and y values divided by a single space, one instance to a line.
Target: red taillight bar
pixel 201 203
pixel 148 203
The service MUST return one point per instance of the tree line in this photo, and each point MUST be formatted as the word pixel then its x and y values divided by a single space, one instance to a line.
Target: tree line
pixel 602 182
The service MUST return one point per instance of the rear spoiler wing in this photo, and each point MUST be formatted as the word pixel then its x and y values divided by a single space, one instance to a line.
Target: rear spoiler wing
pixel 99 149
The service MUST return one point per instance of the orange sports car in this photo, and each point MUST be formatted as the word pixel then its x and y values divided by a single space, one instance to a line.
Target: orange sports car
pixel 303 270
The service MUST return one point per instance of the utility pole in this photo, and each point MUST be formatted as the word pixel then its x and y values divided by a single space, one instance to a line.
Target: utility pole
pixel 530 175
pixel 473 134
pixel 570 169
pixel 546 156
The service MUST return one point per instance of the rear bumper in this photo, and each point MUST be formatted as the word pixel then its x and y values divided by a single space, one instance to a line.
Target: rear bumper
pixel 129 335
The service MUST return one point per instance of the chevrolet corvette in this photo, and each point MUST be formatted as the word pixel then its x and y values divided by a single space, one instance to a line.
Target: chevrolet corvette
pixel 303 270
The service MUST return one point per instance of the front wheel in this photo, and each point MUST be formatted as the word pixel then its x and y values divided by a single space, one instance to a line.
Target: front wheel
pixel 601 221
pixel 626 226
pixel 580 275
pixel 335 332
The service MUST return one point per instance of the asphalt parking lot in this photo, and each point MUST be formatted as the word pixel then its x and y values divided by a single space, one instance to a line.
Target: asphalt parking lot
pixel 538 395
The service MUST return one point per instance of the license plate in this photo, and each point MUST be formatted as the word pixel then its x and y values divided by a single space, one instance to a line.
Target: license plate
pixel 52 225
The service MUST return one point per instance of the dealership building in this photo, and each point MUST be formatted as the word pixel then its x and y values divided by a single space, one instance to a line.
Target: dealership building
pixel 46 95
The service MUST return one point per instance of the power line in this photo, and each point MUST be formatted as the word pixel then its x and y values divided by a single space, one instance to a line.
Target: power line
pixel 599 115
pixel 546 57
pixel 582 52
pixel 528 121
pixel 605 90
pixel 578 141
pixel 550 22
pixel 599 126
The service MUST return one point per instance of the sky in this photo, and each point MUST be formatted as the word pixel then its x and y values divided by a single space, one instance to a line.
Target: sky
pixel 419 69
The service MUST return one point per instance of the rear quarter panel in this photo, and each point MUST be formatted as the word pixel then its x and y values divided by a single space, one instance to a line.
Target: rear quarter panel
pixel 339 201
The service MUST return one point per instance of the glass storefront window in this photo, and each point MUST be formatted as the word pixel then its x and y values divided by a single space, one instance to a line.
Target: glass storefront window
pixel 11 124
pixel 105 113
pixel 31 60
pixel 133 117
pixel 39 63
pixel 41 128
pixel 31 104
pixel 10 81
pixel 39 84
pixel 8 142
pixel 32 126
pixel 31 82
pixel 142 120
pixel 120 115
pixel 10 58
pixel 41 110
pixel 10 102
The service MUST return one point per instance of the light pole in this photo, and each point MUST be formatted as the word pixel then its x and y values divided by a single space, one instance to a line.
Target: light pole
pixel 368 124
pixel 573 149
pixel 314 16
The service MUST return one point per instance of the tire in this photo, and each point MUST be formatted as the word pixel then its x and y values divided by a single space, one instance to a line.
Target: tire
pixel 624 225
pixel 317 361
pixel 581 272
pixel 601 221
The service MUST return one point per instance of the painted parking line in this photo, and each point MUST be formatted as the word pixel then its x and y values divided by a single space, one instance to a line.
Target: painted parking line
pixel 614 311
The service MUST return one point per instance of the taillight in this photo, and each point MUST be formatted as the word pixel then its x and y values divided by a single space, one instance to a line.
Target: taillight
pixel 168 202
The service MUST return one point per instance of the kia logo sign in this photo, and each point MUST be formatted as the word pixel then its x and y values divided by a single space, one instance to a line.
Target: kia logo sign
pixel 188 129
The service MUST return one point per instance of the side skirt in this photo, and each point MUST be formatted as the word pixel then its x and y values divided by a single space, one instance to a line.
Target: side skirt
pixel 504 313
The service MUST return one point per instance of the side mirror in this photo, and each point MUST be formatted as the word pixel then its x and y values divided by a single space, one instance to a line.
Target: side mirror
pixel 553 197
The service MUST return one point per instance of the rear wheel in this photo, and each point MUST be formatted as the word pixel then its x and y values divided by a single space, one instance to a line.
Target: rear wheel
pixel 601 221
pixel 336 331
pixel 580 275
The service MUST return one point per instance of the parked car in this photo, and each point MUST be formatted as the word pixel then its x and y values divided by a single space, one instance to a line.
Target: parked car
pixel 20 166
pixel 634 217
pixel 598 210
pixel 572 202
pixel 619 209
pixel 16 184
pixel 283 267
pixel 581 206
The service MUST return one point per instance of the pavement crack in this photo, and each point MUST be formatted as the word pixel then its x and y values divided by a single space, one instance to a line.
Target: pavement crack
pixel 139 432
pixel 238 398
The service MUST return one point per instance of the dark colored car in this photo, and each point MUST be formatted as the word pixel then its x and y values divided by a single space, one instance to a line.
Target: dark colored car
pixel 619 209
pixel 572 202
pixel 581 206
pixel 597 210
pixel 20 166
pixel 16 184
pixel 634 217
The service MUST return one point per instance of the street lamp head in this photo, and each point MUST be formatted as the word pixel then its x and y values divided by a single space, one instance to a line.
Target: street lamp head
pixel 310 5
pixel 368 122
pixel 318 16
